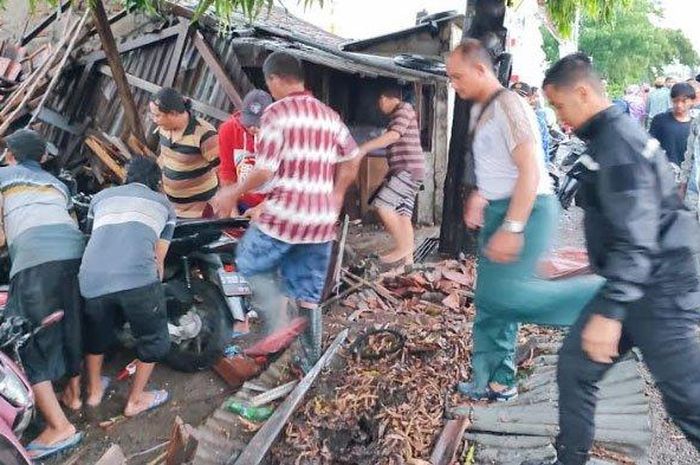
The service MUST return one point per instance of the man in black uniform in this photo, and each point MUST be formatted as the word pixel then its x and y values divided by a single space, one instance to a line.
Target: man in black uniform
pixel 644 242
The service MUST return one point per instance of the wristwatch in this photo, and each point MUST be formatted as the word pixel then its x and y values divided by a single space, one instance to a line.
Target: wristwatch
pixel 515 227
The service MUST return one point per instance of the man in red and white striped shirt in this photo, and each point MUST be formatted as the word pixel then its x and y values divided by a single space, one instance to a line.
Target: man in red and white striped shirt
pixel 308 156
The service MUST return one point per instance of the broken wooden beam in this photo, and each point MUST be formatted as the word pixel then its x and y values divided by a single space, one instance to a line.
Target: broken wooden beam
pixel 46 22
pixel 449 441
pixel 219 70
pixel 121 14
pixel 119 75
pixel 142 41
pixel 257 448
pixel 104 155
pixel 57 72
pixel 152 88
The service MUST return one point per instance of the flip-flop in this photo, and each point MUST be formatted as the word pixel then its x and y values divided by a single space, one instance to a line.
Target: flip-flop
pixel 160 398
pixel 38 451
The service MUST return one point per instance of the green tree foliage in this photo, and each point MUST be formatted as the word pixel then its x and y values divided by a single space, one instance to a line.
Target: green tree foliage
pixel 563 12
pixel 629 48
pixel 549 45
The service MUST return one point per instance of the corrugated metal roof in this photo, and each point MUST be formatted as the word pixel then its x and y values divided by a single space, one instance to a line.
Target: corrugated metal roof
pixel 430 26
pixel 278 17
pixel 352 63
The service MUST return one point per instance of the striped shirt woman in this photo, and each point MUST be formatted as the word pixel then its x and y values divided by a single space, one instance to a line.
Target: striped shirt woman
pixel 189 154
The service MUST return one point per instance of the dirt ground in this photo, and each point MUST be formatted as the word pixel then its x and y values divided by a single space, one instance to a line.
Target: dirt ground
pixel 193 398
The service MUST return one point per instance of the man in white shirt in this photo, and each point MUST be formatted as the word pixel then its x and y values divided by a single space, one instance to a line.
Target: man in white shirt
pixel 517 212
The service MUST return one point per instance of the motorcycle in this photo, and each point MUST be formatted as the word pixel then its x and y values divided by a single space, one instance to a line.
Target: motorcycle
pixel 204 293
pixel 17 405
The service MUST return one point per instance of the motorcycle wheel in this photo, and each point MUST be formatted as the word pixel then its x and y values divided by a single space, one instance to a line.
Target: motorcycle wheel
pixel 205 349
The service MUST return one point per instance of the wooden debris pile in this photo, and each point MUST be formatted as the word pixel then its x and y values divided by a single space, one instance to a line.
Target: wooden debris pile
pixel 387 404
pixel 33 84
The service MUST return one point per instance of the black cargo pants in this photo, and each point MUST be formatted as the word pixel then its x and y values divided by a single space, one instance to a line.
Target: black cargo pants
pixel 666 332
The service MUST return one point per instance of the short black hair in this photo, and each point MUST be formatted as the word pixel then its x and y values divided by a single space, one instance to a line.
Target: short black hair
pixel 391 90
pixel 684 90
pixel 572 69
pixel 144 171
pixel 169 100
pixel 285 66
pixel 474 49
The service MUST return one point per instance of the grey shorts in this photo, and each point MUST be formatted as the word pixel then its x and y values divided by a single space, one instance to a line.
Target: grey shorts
pixel 398 193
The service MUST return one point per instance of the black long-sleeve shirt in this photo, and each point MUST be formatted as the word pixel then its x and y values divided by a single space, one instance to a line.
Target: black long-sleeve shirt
pixel 639 235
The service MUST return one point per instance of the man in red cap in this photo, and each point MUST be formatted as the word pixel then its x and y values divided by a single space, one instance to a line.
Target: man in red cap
pixel 237 145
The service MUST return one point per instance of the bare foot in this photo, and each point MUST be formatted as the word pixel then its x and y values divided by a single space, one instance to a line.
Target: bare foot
pixel 94 398
pixel 71 400
pixel 145 402
pixel 52 436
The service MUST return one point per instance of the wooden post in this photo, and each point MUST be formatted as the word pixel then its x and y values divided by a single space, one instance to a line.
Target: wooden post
pixel 482 17
pixel 110 47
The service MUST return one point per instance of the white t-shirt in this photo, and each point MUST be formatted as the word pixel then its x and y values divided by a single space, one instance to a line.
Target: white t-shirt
pixel 508 122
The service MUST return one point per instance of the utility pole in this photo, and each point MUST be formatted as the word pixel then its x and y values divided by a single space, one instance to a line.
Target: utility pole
pixel 114 61
pixel 483 21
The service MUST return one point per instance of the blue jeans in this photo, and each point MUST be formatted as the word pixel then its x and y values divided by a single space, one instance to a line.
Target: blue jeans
pixel 302 268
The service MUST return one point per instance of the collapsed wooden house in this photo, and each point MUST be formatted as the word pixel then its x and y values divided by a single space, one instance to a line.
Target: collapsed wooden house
pixel 215 69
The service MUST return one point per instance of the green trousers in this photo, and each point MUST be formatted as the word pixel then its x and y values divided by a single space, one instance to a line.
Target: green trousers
pixel 513 293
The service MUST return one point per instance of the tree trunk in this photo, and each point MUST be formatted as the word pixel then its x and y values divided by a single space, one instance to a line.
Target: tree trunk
pixel 483 18
pixel 112 54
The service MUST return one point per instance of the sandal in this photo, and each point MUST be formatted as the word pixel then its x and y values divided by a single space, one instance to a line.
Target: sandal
pixel 160 397
pixel 38 451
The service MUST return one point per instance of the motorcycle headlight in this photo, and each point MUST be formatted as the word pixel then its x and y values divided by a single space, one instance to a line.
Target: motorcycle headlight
pixel 12 388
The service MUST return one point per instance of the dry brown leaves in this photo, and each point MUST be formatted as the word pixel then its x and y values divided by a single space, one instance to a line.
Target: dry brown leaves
pixel 390 411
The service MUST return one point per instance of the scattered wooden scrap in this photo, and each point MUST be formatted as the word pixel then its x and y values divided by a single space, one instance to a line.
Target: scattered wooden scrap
pixel 111 153
pixel 449 441
pixel 113 456
pixel 112 422
pixel 34 87
pixel 182 445
pixel 272 395
pixel 257 448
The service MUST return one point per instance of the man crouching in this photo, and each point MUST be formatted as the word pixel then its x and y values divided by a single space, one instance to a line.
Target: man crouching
pixel 120 278
pixel 45 246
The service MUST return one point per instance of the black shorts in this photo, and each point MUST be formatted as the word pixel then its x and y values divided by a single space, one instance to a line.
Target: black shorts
pixel 37 292
pixel 143 308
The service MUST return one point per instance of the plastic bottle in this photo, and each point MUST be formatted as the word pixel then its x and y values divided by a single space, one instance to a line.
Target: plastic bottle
pixel 256 414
